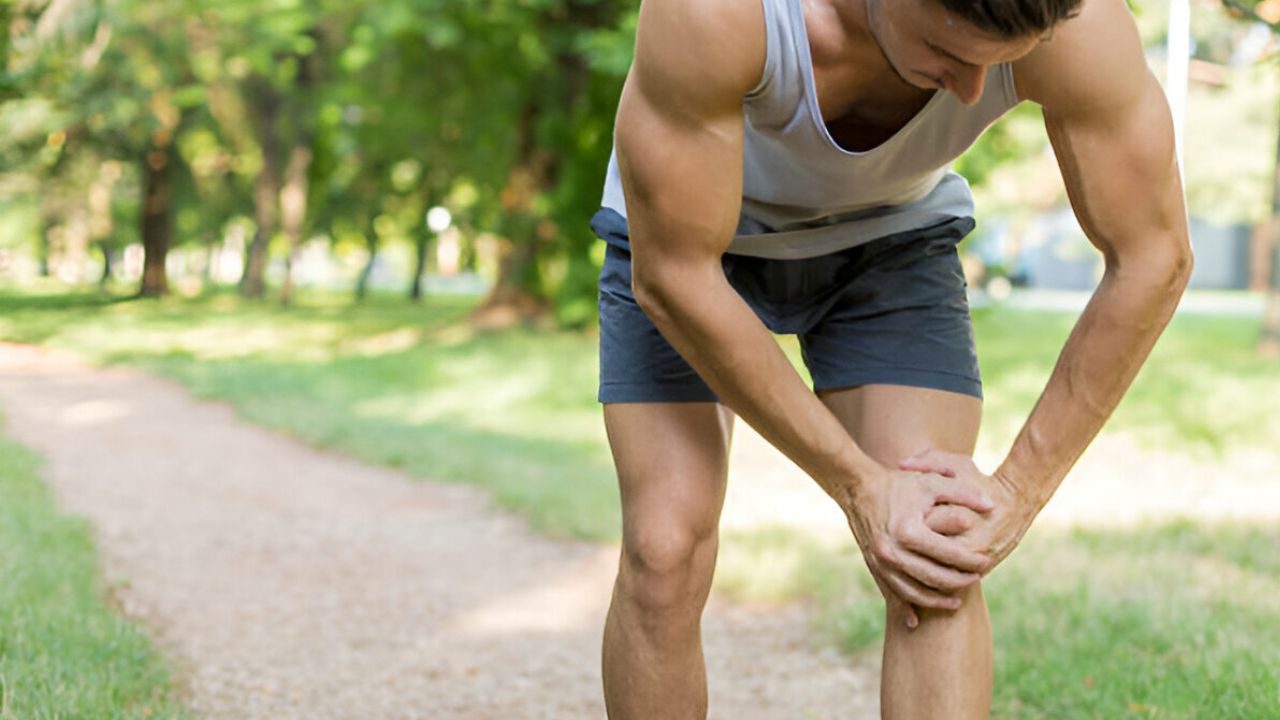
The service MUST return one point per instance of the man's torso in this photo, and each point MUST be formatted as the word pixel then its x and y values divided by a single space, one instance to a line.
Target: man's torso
pixel 838 149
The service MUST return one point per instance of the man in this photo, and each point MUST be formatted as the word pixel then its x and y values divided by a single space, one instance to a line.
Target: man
pixel 782 165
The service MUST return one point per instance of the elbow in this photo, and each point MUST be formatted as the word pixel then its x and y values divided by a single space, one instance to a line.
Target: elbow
pixel 651 293
pixel 1179 267
pixel 1165 268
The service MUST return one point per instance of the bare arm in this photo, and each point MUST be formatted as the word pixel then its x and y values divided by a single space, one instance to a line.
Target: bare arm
pixel 679 138
pixel 1110 126
pixel 1112 131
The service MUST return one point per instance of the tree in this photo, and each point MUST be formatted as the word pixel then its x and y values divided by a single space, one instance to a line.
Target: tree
pixel 121 87
pixel 1268 13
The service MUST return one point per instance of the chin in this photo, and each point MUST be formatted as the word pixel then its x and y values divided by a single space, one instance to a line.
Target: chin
pixel 921 81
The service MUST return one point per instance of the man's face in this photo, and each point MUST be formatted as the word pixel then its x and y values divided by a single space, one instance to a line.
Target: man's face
pixel 931 48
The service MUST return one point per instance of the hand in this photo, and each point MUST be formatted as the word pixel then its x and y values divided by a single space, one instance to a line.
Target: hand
pixel 913 564
pixel 994 534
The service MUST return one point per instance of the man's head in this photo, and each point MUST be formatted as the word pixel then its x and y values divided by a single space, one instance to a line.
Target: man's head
pixel 949 44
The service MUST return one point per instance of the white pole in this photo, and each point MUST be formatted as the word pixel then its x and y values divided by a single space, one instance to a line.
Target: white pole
pixel 1179 46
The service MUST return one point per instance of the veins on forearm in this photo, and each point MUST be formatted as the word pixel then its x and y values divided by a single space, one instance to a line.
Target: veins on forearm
pixel 1098 364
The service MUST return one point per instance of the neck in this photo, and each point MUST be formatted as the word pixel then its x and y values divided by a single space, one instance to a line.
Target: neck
pixel 865 13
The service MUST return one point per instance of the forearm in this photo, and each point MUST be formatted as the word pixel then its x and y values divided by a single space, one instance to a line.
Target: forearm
pixel 1107 347
pixel 722 339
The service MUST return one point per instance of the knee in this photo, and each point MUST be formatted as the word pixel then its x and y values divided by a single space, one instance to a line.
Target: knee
pixel 972 609
pixel 668 569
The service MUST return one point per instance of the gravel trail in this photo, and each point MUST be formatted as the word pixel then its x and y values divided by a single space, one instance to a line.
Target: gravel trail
pixel 288 582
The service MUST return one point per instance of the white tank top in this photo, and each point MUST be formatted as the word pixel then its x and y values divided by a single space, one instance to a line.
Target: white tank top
pixel 803 195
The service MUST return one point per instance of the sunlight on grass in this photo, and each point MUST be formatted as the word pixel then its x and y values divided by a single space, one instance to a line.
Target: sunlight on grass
pixel 1172 620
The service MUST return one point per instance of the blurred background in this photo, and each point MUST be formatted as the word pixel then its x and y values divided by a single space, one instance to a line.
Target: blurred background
pixel 365 224
pixel 457 147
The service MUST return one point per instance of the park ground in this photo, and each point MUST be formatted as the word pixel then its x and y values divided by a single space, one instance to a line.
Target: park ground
pixel 1148 590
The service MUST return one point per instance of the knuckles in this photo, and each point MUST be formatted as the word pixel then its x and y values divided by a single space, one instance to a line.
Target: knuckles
pixel 884 552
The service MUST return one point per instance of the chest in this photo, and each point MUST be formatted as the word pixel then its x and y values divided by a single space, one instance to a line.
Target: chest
pixel 862 100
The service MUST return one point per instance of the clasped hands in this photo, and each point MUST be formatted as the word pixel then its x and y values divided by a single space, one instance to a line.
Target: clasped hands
pixel 933 527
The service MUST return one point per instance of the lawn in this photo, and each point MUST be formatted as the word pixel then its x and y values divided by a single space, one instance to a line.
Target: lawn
pixel 515 411
pixel 63 652
pixel 1176 620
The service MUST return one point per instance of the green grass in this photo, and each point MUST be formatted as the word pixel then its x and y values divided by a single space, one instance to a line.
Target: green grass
pixel 1204 390
pixel 1171 621
pixel 1176 620
pixel 515 412
pixel 409 387
pixel 63 653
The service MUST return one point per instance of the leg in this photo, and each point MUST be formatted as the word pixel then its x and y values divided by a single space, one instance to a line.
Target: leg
pixel 943 668
pixel 672 462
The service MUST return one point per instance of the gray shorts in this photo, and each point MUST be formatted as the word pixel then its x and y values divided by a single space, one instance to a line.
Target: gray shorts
pixel 892 311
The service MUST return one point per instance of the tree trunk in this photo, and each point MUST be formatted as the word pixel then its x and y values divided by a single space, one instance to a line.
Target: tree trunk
pixel 420 265
pixel 101 224
pixel 362 284
pixel 293 209
pixel 157 219
pixel 1269 344
pixel 106 265
pixel 519 290
pixel 293 196
pixel 266 187
pixel 42 245
pixel 515 292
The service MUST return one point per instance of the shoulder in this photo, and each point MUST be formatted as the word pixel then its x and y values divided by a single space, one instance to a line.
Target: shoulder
pixel 694 55
pixel 1092 65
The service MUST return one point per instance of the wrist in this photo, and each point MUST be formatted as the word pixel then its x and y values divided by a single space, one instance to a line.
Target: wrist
pixel 856 475
pixel 1027 494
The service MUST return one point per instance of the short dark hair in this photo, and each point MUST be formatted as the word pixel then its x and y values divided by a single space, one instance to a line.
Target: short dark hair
pixel 1012 19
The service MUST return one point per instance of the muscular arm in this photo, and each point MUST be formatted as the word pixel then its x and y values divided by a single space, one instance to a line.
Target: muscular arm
pixel 679 141
pixel 1112 132
pixel 679 137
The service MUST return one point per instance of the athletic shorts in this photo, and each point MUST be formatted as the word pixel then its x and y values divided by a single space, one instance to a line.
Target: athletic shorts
pixel 891 311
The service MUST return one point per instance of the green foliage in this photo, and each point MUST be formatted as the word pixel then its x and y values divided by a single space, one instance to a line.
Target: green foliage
pixel 63 653
pixel 1018 135
pixel 503 108
pixel 470 93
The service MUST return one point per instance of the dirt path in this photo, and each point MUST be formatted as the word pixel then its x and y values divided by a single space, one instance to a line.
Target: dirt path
pixel 286 582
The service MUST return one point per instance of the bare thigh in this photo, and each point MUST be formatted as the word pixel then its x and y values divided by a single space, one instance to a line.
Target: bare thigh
pixel 893 422
pixel 672 463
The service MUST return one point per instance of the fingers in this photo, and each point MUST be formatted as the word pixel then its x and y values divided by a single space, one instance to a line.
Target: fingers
pixel 950 519
pixel 926 583
pixel 943 550
pixel 934 461
pixel 925 467
pixel 895 604
pixel 934 576
pixel 914 593
pixel 960 492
